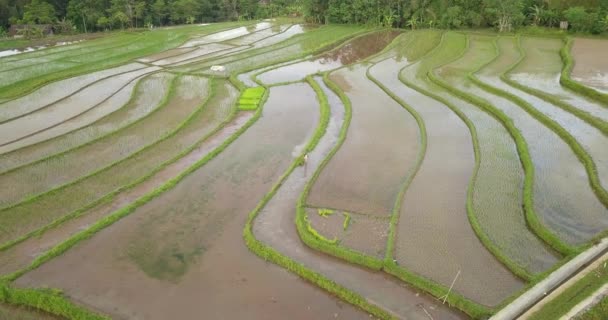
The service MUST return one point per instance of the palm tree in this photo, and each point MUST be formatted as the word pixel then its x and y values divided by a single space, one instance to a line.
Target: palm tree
pixel 537 13
pixel 412 22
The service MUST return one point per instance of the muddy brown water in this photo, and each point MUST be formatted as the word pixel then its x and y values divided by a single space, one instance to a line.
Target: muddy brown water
pixel 52 92
pixel 564 200
pixel 275 227
pixel 352 52
pixel 22 255
pixel 68 108
pixel 590 63
pixel 208 209
pixel 188 97
pixel 498 191
pixel 147 97
pixel 381 147
pixel 434 238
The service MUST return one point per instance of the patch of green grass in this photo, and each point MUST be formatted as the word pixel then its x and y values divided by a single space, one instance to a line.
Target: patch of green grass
pixel 50 301
pixel 317 235
pixel 597 312
pixel 575 294
pixel 251 97
pixel 325 212
pixel 346 222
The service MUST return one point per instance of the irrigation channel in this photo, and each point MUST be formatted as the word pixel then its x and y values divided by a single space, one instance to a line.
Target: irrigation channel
pixel 272 168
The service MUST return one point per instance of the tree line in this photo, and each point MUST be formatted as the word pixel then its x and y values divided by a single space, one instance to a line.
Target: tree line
pixel 96 15
pixel 505 15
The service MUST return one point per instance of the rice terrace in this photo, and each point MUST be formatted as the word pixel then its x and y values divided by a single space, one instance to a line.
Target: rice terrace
pixel 441 160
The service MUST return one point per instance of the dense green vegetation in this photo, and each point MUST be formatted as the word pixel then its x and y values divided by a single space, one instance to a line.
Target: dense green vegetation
pixel 93 15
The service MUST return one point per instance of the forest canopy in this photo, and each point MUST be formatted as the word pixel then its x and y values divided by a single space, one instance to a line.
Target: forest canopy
pixel 96 15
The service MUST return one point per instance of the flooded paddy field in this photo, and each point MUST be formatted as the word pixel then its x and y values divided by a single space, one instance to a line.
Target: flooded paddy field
pixel 562 195
pixel 137 183
pixel 147 96
pixel 187 98
pixel 433 215
pixel 591 67
pixel 356 179
pixel 498 191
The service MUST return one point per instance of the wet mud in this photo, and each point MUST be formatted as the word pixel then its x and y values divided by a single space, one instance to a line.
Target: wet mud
pixel 23 254
pixel 434 238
